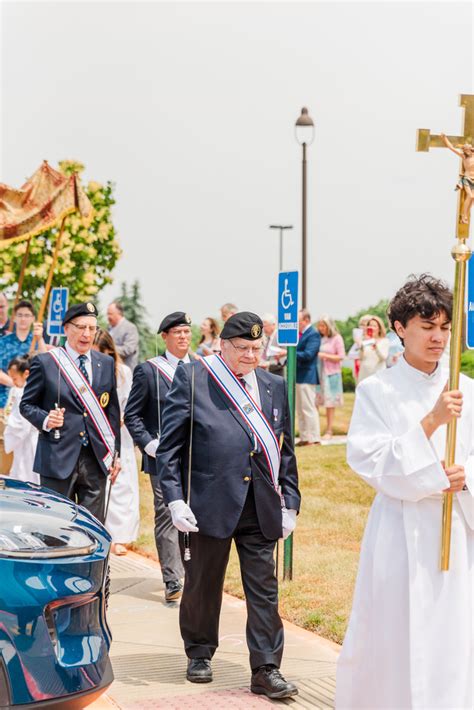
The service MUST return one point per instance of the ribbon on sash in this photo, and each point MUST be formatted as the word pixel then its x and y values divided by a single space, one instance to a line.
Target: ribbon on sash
pixel 87 396
pixel 164 366
pixel 248 410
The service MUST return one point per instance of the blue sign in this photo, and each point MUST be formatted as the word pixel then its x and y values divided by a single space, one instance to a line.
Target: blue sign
pixel 470 304
pixel 57 310
pixel 288 308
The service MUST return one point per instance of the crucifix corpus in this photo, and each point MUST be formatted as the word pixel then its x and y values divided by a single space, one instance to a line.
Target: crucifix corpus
pixel 463 146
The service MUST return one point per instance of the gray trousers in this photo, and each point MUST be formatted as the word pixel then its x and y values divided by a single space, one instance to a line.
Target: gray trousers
pixel 166 537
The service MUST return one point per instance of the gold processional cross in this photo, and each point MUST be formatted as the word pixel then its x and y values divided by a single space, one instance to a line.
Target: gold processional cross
pixel 463 146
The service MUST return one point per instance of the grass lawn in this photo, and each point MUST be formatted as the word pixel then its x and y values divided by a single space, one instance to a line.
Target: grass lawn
pixel 335 504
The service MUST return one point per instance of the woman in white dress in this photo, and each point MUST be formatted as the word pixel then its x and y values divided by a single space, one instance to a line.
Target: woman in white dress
pixel 20 436
pixel 123 513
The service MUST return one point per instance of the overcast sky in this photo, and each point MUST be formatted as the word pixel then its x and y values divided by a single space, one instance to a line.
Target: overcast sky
pixel 189 108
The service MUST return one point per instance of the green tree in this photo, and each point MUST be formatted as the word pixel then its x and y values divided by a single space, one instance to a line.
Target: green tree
pixel 135 311
pixel 88 255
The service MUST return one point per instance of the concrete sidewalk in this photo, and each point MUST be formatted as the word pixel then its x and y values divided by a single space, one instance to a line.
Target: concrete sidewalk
pixel 150 665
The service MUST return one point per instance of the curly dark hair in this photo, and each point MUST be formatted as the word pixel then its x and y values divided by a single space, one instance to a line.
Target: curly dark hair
pixel 422 296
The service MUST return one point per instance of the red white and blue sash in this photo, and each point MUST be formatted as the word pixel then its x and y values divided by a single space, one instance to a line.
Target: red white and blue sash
pixel 87 396
pixel 248 410
pixel 164 366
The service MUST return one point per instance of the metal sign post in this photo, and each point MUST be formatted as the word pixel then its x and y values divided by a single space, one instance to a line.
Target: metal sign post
pixel 288 335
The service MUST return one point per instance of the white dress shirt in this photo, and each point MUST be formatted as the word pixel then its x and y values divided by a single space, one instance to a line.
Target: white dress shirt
pixel 251 385
pixel 174 360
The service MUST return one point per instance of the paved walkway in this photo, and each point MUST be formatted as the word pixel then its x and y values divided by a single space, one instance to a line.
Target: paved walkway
pixel 149 663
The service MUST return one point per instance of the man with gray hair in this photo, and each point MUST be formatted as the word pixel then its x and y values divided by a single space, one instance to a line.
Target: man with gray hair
pixel 124 333
pixel 228 310
pixel 274 355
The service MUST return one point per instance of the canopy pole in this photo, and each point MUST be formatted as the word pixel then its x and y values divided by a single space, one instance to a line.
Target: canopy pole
pixel 49 280
pixel 20 282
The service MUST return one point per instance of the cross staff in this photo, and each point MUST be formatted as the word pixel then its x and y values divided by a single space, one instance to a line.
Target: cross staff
pixel 461 254
pixel 425 140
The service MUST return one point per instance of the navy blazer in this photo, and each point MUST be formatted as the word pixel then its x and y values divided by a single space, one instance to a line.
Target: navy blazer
pixel 223 462
pixel 306 357
pixel 57 458
pixel 141 411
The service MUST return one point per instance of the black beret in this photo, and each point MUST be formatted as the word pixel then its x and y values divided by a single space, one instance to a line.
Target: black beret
pixel 80 309
pixel 244 325
pixel 173 320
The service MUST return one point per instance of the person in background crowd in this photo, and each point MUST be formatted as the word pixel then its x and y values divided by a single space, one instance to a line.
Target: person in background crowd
pixel 4 319
pixel 123 514
pixel 210 342
pixel 354 352
pixel 13 344
pixel 124 333
pixel 20 436
pixel 306 381
pixel 77 412
pixel 228 310
pixel 144 420
pixel 373 349
pixel 330 357
pixel 274 355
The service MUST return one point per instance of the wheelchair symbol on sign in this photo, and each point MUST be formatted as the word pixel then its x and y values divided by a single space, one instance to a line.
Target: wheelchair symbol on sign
pixel 57 305
pixel 286 298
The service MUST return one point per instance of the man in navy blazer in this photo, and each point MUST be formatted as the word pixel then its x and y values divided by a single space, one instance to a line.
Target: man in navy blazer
pixel 306 381
pixel 70 451
pixel 143 419
pixel 232 496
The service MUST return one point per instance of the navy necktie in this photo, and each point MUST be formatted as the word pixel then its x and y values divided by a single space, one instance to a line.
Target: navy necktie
pixel 82 369
pixel 82 366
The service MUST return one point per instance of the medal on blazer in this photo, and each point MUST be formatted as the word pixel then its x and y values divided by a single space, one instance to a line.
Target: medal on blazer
pixel 104 399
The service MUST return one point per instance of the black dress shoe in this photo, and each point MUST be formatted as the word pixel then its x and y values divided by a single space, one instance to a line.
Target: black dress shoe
pixel 267 680
pixel 199 670
pixel 173 590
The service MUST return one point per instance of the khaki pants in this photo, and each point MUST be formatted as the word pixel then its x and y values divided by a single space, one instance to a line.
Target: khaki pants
pixel 307 413
pixel 6 460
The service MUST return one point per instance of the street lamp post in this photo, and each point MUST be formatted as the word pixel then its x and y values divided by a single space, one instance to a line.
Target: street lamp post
pixel 281 227
pixel 304 132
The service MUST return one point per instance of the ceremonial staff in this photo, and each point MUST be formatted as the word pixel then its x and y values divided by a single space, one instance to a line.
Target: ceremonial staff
pixel 461 254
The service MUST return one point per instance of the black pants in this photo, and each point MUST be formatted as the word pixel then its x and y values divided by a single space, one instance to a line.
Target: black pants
pixel 86 484
pixel 203 585
pixel 166 536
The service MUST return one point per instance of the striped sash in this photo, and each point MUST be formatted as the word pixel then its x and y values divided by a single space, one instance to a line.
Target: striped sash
pixel 164 366
pixel 248 410
pixel 87 396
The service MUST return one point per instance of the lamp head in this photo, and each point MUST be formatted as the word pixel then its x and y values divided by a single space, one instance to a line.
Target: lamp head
pixel 304 128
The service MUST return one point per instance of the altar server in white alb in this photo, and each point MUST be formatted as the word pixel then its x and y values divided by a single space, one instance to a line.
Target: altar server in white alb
pixel 410 638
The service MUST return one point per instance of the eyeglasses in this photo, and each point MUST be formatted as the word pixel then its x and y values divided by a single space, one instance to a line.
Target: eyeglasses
pixel 83 328
pixel 254 349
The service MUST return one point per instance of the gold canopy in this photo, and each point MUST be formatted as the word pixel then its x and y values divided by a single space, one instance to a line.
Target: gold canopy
pixel 41 203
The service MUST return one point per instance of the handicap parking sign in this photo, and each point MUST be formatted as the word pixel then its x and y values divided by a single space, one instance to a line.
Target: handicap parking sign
pixel 470 304
pixel 288 308
pixel 57 309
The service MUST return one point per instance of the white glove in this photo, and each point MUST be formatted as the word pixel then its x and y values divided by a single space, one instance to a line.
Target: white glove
pixel 182 516
pixel 288 521
pixel 151 447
